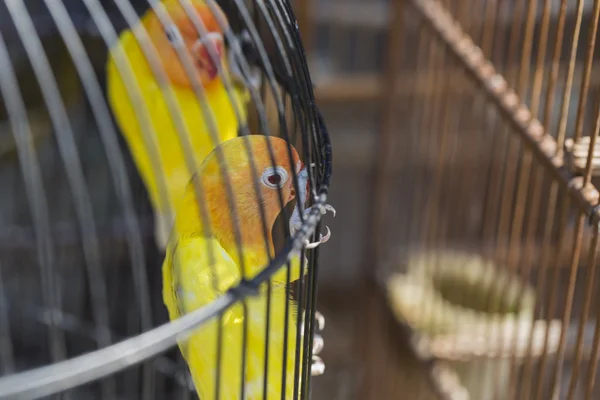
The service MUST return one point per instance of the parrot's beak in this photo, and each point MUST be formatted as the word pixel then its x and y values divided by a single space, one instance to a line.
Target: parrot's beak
pixel 301 199
pixel 302 183
pixel 202 48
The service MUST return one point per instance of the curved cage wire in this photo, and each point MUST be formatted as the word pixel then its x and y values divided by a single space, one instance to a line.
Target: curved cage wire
pixel 165 171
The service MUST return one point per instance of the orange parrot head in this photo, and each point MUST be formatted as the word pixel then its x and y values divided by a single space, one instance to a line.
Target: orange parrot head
pixel 272 190
pixel 206 50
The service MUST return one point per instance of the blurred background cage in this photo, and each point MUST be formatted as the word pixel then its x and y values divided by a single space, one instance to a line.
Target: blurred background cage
pixel 463 131
pixel 79 267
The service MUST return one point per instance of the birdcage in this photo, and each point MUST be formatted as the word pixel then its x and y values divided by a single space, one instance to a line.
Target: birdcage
pixel 164 172
pixel 483 225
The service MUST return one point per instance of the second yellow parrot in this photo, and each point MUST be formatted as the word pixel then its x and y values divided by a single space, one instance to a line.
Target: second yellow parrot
pixel 171 163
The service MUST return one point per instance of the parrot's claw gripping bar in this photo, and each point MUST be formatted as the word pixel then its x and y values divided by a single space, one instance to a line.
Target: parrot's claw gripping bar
pixel 320 325
pixel 296 224
pixel 320 321
pixel 317 367
pixel 322 239
pixel 329 207
pixel 318 344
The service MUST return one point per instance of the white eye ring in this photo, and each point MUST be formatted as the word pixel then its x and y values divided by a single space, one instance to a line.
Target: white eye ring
pixel 268 175
pixel 174 35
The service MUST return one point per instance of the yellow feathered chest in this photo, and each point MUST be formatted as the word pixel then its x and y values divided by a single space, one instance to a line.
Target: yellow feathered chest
pixel 189 275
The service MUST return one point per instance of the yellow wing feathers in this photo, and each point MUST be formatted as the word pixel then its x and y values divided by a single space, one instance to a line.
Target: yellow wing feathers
pixel 189 283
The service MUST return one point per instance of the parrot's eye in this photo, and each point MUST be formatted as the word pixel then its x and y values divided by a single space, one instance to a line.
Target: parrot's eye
pixel 274 178
pixel 173 35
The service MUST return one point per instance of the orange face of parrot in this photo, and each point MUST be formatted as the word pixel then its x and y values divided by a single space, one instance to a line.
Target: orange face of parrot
pixel 272 178
pixel 184 35
pixel 271 181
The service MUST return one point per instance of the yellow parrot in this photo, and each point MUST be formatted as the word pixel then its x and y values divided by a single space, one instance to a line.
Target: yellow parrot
pixel 188 277
pixel 182 34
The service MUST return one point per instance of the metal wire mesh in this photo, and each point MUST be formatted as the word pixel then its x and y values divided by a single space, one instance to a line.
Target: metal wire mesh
pixel 79 268
pixel 484 215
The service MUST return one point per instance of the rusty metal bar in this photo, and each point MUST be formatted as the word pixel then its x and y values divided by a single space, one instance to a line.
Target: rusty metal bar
pixel 433 123
pixel 540 61
pixel 555 64
pixel 473 106
pixel 427 137
pixel 454 116
pixel 381 163
pixel 566 317
pixel 499 148
pixel 593 363
pixel 552 296
pixel 383 151
pixel 585 84
pixel 591 279
pixel 542 278
pixel 530 130
pixel 518 216
pixel 424 141
pixel 566 98
pixel 538 176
